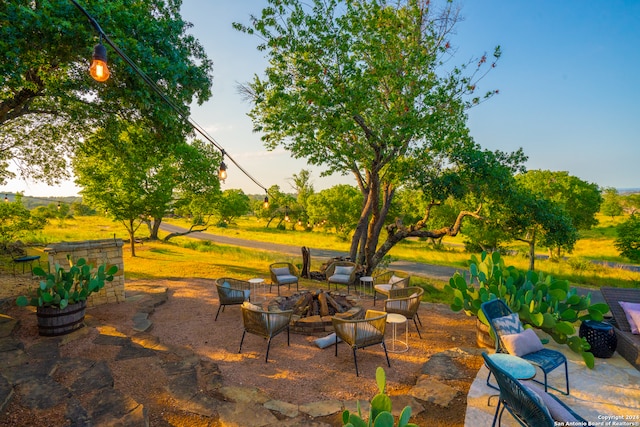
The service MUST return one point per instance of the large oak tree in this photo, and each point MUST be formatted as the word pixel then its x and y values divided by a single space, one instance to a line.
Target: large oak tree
pixel 365 87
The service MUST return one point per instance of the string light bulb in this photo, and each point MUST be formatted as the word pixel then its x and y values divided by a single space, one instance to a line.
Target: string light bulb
pixel 286 214
pixel 265 204
pixel 6 198
pixel 222 173
pixel 99 70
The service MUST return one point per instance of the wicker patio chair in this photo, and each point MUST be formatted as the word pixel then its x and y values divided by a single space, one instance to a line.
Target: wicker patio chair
pixel 20 257
pixel 405 301
pixel 546 359
pixel 341 273
pixel 362 333
pixel 384 282
pixel 231 292
pixel 266 324
pixel 628 345
pixel 528 407
pixel 283 273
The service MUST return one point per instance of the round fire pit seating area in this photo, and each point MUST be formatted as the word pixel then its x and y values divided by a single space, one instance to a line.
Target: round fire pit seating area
pixel 313 310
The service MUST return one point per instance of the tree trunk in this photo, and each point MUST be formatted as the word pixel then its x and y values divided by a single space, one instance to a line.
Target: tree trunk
pixel 532 252
pixel 153 230
pixel 132 238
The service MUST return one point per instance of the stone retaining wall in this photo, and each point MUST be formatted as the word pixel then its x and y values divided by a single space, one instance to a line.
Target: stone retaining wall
pixel 96 252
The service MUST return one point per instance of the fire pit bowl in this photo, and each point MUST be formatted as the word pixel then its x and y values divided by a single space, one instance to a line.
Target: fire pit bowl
pixel 313 310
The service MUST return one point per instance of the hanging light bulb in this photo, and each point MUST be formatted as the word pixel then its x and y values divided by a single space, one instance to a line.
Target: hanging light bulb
pixel 99 70
pixel 222 173
pixel 58 205
pixel 286 213
pixel 266 202
pixel 6 198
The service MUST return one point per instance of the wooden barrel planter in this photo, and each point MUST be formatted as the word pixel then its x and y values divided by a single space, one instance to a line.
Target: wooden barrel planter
pixel 53 321
pixel 483 337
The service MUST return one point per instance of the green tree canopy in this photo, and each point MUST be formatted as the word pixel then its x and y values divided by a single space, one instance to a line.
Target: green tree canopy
pixel 628 240
pixel 365 88
pixel 337 207
pixel 16 220
pixel 232 204
pixel 611 205
pixel 123 171
pixel 579 200
pixel 48 101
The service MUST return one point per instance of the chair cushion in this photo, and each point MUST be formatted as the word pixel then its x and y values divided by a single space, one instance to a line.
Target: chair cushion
pixel 286 279
pixel 251 306
pixel 343 270
pixel 558 411
pixel 325 342
pixel 395 279
pixel 281 271
pixel 396 305
pixel 365 331
pixel 507 325
pixel 635 316
pixel 522 343
pixel 226 284
pixel 629 308
pixel 383 288
pixel 340 278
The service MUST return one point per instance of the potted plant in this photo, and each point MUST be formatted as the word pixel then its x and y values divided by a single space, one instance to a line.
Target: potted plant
pixel 61 296
pixel 541 301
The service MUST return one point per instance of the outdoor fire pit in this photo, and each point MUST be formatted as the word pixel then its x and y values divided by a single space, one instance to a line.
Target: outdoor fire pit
pixel 312 310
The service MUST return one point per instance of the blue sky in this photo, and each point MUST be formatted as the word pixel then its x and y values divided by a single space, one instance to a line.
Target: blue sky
pixel 567 80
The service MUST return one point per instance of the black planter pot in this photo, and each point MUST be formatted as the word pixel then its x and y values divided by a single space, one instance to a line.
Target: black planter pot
pixel 53 321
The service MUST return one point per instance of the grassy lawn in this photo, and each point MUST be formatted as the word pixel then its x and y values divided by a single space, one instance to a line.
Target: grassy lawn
pixel 188 257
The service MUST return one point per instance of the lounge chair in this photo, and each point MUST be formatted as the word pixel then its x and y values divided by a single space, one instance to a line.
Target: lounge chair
pixel 361 333
pixel 231 292
pixel 405 301
pixel 545 359
pixel 628 344
pixel 341 273
pixel 384 282
pixel 266 324
pixel 283 273
pixel 529 405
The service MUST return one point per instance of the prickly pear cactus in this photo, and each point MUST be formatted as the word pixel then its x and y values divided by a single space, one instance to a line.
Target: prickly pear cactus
pixel 380 412
pixel 541 301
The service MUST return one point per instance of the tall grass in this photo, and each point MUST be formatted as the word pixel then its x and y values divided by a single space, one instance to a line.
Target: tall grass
pixel 189 257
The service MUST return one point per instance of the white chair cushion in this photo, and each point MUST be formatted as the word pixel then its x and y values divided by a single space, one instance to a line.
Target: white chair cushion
pixel 556 409
pixel 325 342
pixel 395 279
pixel 251 306
pixel 629 308
pixel 522 343
pixel 384 287
pixel 340 278
pixel 282 271
pixel 343 270
pixel 366 331
pixel 286 279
